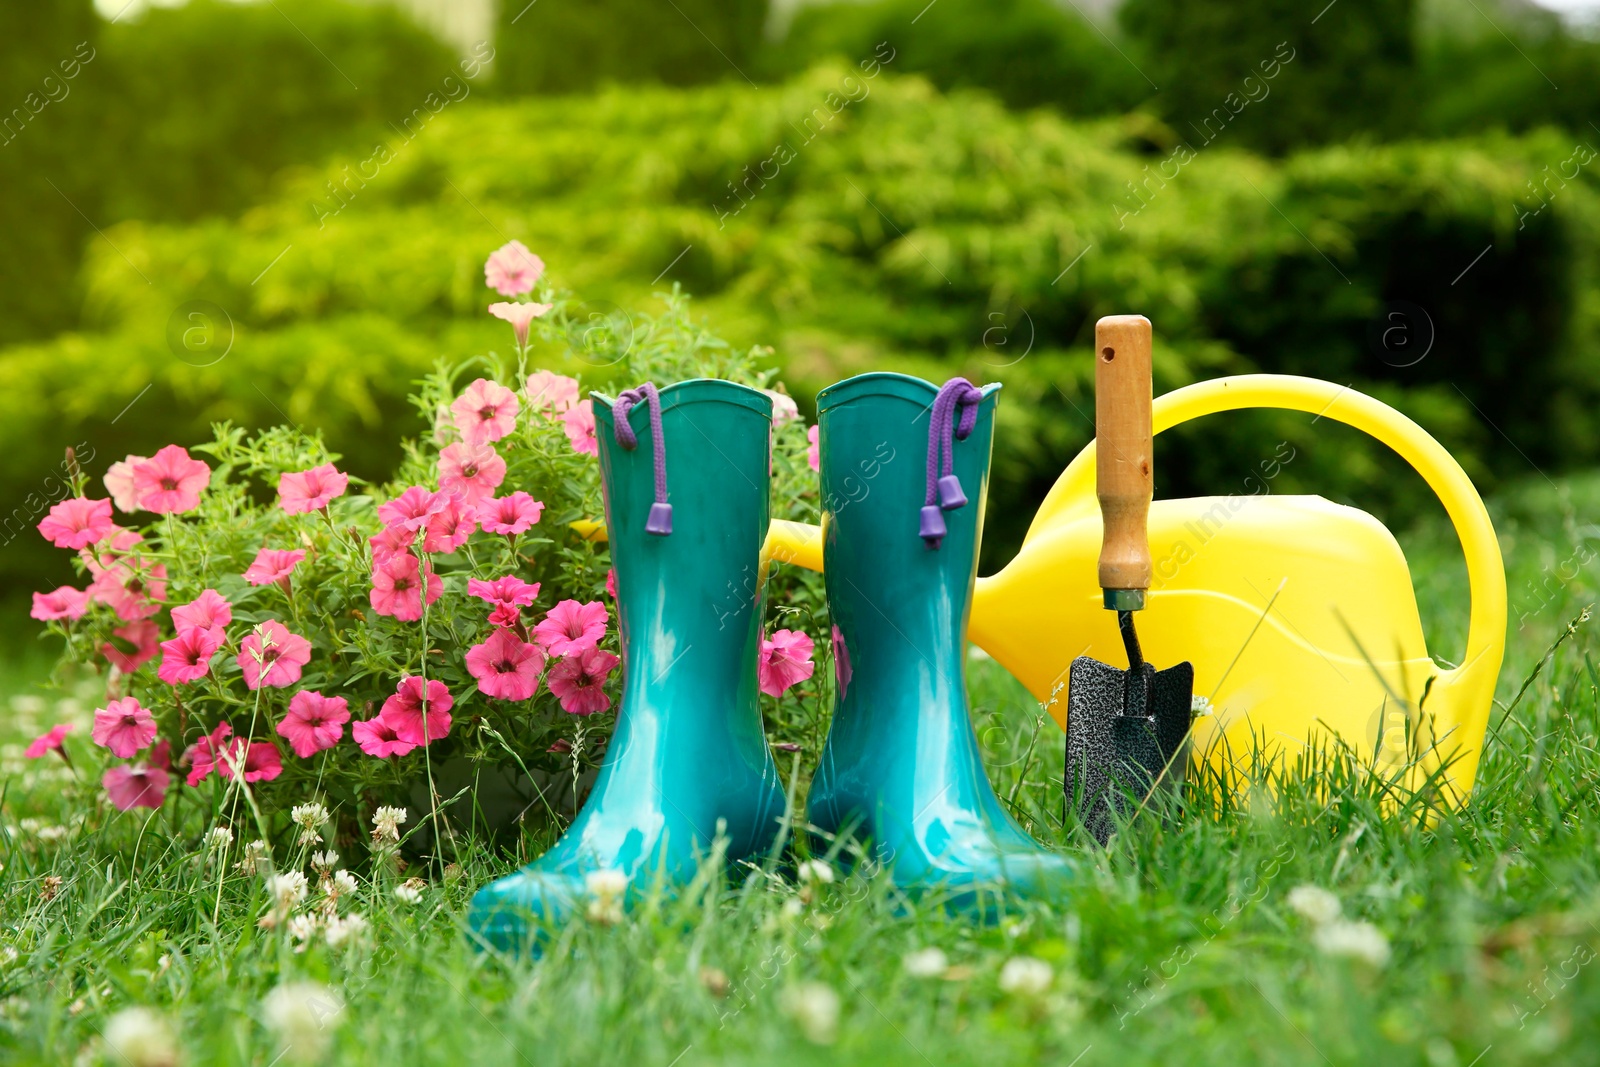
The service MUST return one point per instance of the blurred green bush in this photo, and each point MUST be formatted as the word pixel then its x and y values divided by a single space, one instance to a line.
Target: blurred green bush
pixel 206 102
pixel 852 230
pixel 181 113
pixel 1348 69
pixel 1029 53
pixel 576 45
pixel 50 57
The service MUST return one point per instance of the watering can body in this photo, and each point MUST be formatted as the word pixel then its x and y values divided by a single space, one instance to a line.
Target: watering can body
pixel 1297 613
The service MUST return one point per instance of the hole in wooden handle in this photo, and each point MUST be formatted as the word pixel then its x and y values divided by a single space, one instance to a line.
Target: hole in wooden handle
pixel 1108 354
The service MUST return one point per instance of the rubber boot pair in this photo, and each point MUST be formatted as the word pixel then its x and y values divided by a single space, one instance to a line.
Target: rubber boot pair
pixel 901 768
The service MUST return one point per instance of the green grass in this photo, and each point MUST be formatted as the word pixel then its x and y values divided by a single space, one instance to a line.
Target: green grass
pixel 1180 945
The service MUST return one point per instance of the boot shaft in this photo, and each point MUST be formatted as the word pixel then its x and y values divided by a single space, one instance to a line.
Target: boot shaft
pixel 702 583
pixel 895 598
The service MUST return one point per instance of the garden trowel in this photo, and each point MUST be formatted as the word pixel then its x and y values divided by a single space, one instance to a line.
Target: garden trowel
pixel 1127 730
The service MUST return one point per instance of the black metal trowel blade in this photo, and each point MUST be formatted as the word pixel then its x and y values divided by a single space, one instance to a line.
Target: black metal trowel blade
pixel 1127 733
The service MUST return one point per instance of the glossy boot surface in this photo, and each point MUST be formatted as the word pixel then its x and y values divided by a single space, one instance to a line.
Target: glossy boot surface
pixel 688 749
pixel 901 766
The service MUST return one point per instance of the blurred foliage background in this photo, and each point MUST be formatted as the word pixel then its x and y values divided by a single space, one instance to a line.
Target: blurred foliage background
pixel 1395 194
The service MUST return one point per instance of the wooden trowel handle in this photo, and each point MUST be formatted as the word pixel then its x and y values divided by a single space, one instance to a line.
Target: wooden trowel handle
pixel 1124 480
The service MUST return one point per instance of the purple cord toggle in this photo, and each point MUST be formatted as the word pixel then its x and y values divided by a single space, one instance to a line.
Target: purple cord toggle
pixel 660 520
pixel 945 428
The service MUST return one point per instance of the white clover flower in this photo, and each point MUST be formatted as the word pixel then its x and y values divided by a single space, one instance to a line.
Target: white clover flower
pixel 345 928
pixel 343 884
pixel 257 859
pixel 310 816
pixel 29 826
pixel 141 1038
pixel 386 823
pixel 304 1015
pixel 814 1007
pixel 606 882
pixel 1025 976
pixel 1314 903
pixel 8 956
pixel 287 889
pixel 324 861
pixel 218 838
pixel 410 890
pixel 1355 940
pixel 606 886
pixel 815 871
pixel 303 928
pixel 1199 705
pixel 51 834
pixel 925 963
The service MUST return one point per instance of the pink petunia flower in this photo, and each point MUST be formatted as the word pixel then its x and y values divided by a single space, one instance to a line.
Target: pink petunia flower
pixel 473 472
pixel 390 541
pixel 550 393
pixel 64 603
pixel 49 741
pixel 785 661
pixel 397 587
pixel 202 755
pixel 131 586
pixel 451 526
pixel 260 760
pixel 841 662
pixel 187 657
pixel 512 270
pixel 509 590
pixel 379 737
pixel 505 615
pixel 784 409
pixel 118 547
pixel 509 515
pixel 161 755
pixel 78 523
pixel 814 450
pixel 611 582
pixel 124 726
pixel 208 611
pixel 119 483
pixel 572 627
pixel 577 681
pixel 136 643
pixel 314 722
pixel 520 316
pixel 412 508
pixel 506 667
pixel 136 787
pixel 170 481
pixel 274 565
pixel 486 412
pixel 416 718
pixel 272 656
pixel 311 490
pixel 579 424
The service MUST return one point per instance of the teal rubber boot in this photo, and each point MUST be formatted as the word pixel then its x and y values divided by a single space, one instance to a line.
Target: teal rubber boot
pixel 901 766
pixel 688 754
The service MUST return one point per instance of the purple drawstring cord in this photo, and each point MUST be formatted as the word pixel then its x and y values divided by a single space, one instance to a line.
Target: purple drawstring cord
pixel 944 430
pixel 660 520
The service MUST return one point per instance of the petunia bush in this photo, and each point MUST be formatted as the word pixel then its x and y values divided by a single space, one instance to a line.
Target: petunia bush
pixel 273 632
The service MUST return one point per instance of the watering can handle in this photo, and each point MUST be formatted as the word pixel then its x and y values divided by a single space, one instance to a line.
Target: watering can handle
pixel 1073 492
pixel 1074 495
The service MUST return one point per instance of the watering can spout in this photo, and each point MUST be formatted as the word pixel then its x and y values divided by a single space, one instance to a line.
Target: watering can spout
pixel 1298 613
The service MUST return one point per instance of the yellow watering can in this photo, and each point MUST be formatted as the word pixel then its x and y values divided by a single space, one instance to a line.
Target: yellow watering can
pixel 1298 613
